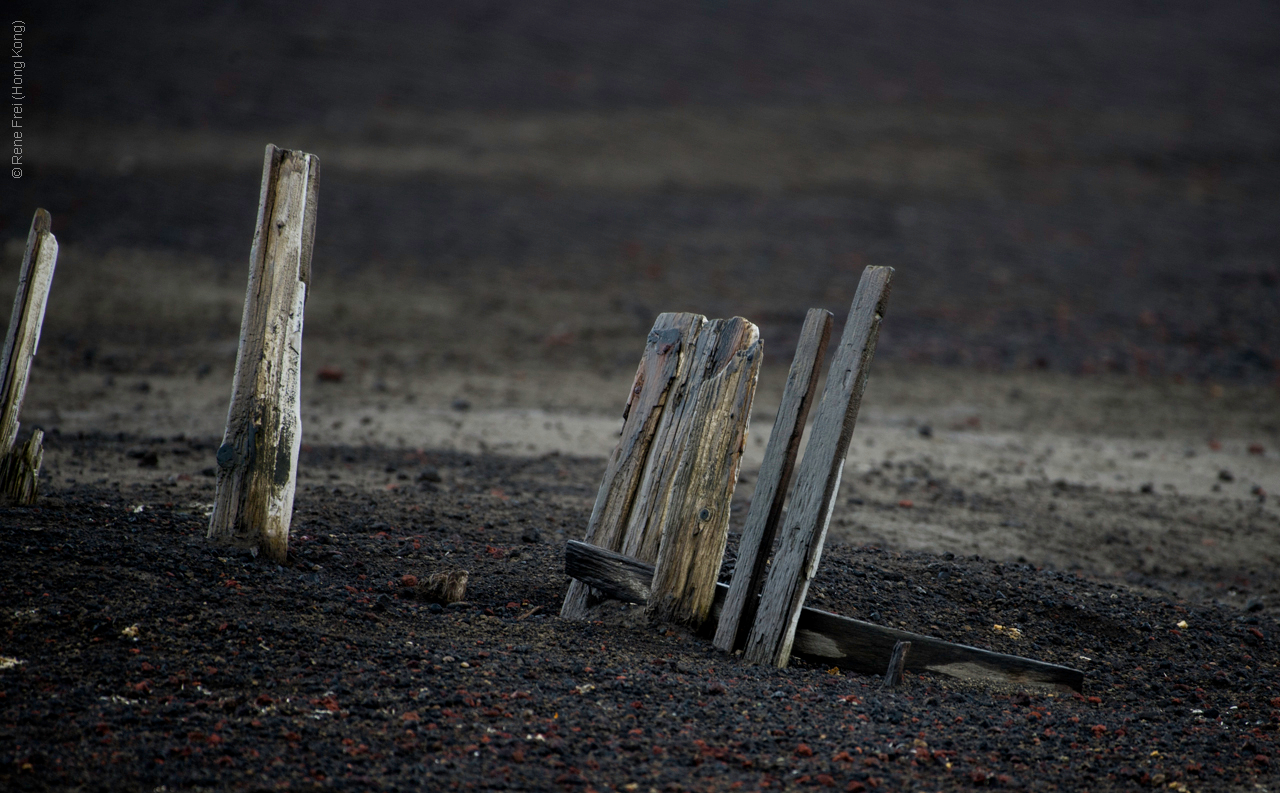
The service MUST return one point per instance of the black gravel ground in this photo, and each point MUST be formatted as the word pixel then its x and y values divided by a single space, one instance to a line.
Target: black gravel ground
pixel 146 658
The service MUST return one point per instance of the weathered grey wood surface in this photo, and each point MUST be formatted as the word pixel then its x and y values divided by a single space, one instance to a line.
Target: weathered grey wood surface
pixel 897 659
pixel 828 638
pixel 649 393
pixel 761 525
pixel 258 459
pixel 635 498
pixel 714 346
pixel 695 524
pixel 20 467
pixel 818 477
pixel 612 574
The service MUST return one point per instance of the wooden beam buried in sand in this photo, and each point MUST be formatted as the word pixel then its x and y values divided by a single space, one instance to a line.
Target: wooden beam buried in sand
pixel 827 638
pixel 650 390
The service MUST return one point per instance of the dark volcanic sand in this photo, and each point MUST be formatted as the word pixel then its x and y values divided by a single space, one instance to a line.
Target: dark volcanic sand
pixel 249 675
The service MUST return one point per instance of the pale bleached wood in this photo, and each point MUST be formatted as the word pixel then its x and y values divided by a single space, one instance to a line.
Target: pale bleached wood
pixel 695 523
pixel 649 393
pixel 20 467
pixel 716 343
pixel 830 639
pixel 818 477
pixel 761 525
pixel 258 459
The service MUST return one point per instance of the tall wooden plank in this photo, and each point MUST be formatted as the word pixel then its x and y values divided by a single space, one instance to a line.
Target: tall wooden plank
pixel 20 467
pixel 695 526
pixel 258 459
pixel 715 346
pixel 818 476
pixel 649 393
pixel 761 526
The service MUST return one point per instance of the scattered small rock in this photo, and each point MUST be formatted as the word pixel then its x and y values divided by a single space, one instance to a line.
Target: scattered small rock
pixel 1226 476
pixel 460 404
pixel 330 374
pixel 446 587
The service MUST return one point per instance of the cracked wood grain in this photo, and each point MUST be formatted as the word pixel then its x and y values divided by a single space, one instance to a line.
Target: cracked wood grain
pixel 20 467
pixel 804 531
pixel 761 525
pixel 258 459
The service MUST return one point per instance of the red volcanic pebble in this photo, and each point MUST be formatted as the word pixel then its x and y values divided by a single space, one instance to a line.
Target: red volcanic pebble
pixel 906 503
pixel 330 374
pixel 1257 448
pixel 803 750
pixel 408 580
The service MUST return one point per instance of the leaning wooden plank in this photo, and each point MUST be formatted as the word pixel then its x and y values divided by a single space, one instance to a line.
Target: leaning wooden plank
pixel 761 525
pixel 715 346
pixel 649 393
pixel 20 467
pixel 828 638
pixel 258 459
pixel 696 521
pixel 818 477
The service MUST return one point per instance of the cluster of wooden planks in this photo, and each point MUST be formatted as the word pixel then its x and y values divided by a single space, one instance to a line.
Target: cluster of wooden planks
pixel 761 612
pixel 20 463
pixel 665 495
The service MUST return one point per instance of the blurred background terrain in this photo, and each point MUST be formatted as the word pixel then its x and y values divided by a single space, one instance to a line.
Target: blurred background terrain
pixel 1080 201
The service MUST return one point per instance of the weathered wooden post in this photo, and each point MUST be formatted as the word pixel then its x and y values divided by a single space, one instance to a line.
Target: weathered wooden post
pixel 761 525
pixel 677 460
pixel 818 477
pixel 695 523
pixel 20 467
pixel 258 459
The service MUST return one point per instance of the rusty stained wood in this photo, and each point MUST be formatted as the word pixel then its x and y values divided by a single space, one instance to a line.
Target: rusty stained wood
pixel 258 459
pixel 761 525
pixel 20 467
pixel 804 531
pixel 831 639
pixel 659 366
pixel 695 524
